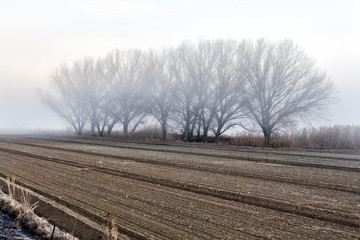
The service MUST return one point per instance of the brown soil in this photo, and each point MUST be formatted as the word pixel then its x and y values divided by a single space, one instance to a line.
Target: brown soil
pixel 176 191
pixel 65 218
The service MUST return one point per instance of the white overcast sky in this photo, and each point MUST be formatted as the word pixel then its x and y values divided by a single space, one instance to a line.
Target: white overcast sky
pixel 37 36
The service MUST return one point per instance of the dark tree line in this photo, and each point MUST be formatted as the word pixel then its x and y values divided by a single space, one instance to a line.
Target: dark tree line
pixel 200 89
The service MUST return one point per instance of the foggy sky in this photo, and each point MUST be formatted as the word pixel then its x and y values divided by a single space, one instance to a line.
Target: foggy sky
pixel 37 36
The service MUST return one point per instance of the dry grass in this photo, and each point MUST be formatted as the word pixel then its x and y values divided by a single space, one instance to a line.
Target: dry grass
pixel 147 133
pixel 110 229
pixel 10 180
pixel 335 137
pixel 26 202
pixel 23 212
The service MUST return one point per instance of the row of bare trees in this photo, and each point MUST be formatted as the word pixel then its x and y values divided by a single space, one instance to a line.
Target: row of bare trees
pixel 198 88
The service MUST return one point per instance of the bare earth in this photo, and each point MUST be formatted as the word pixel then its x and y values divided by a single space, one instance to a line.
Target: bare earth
pixel 194 191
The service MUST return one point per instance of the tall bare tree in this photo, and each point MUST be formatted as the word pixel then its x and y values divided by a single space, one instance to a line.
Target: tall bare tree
pixel 229 87
pixel 97 92
pixel 163 95
pixel 193 67
pixel 185 106
pixel 131 86
pixel 68 98
pixel 283 85
pixel 209 87
pixel 202 72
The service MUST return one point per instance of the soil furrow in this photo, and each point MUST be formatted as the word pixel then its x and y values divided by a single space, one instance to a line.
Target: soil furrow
pixel 250 159
pixel 321 214
pixel 173 213
pixel 94 141
pixel 218 170
pixel 247 236
pixel 109 143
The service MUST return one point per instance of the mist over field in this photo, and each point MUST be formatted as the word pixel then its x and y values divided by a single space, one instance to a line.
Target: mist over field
pixel 155 119
pixel 39 36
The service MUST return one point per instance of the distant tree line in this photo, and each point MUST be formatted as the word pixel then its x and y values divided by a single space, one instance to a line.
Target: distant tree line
pixel 200 89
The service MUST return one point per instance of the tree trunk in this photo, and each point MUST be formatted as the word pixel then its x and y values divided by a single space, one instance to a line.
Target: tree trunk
pixel 110 128
pixel 186 131
pixel 217 138
pixel 198 131
pixel 93 126
pixel 125 128
pixel 204 137
pixel 217 135
pixel 267 139
pixel 164 132
pixel 192 129
pixel 101 132
pixel 98 129
pixel 183 136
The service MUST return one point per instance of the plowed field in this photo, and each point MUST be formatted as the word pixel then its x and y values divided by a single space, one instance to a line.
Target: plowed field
pixel 194 191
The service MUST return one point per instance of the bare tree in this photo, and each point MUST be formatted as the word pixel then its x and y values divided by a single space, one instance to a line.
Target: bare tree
pixel 97 94
pixel 193 67
pixel 68 99
pixel 202 72
pixel 283 85
pixel 162 97
pixel 229 87
pixel 127 69
pixel 185 108
pixel 209 87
